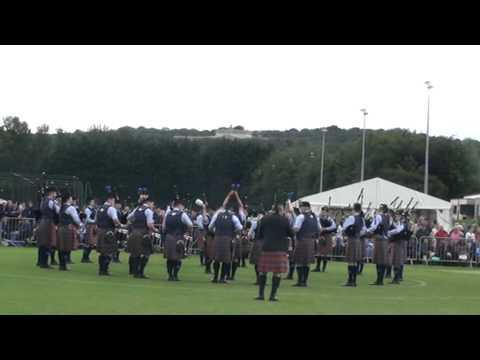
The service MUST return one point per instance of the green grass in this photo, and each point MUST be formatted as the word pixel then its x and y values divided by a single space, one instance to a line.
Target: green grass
pixel 27 289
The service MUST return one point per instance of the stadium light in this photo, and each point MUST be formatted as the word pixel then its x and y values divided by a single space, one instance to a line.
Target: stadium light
pixel 362 173
pixel 324 131
pixel 427 140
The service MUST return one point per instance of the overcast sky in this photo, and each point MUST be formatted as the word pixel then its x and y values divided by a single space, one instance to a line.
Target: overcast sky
pixel 259 87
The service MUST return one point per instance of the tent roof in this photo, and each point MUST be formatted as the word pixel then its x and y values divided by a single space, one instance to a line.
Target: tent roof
pixel 377 191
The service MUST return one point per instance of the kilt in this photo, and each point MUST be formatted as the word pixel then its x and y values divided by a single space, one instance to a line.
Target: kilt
pixel 91 238
pixel 353 251
pixel 245 246
pixel 199 237
pixel 304 252
pixel 139 242
pixel 46 233
pixel 324 246
pixel 398 252
pixel 273 261
pixel 380 251
pixel 106 241
pixel 209 245
pixel 256 251
pixel 222 251
pixel 66 237
pixel 171 252
pixel 237 249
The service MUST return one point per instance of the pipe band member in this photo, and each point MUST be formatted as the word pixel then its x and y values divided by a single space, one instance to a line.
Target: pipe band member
pixel 69 223
pixel 140 239
pixel 107 220
pixel 257 243
pixel 354 227
pixel 177 223
pixel 275 230
pixel 399 235
pixel 91 230
pixel 307 228
pixel 46 233
pixel 378 230
pixel 324 247
pixel 225 224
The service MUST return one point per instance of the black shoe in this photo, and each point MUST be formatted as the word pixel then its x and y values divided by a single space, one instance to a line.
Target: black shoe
pixel 316 270
pixel 259 298
pixel 104 273
pixel 170 278
pixel 45 267
pixel 395 282
pixel 273 298
pixel 63 268
pixel 141 276
pixel 175 278
pixel 298 284
pixel 223 281
pixel 86 261
pixel 349 284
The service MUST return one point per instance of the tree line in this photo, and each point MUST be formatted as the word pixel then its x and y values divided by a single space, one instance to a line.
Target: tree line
pixel 268 166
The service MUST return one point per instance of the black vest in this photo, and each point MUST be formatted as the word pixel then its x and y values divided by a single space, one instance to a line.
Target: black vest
pixel 224 224
pixel 325 223
pixel 309 227
pixel 93 213
pixel 384 226
pixel 355 229
pixel 46 212
pixel 103 220
pixel 173 223
pixel 139 218
pixel 65 219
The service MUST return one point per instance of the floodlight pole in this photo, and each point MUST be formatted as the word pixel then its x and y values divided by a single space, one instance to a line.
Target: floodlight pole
pixel 362 174
pixel 427 140
pixel 324 131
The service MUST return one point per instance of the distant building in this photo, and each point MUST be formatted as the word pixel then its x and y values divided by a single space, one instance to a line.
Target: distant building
pixel 468 207
pixel 226 133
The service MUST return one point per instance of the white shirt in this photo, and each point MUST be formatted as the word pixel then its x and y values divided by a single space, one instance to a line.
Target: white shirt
pixel 299 222
pixel 72 212
pixel 88 213
pixel 200 221
pixel 351 220
pixel 236 222
pixel 396 230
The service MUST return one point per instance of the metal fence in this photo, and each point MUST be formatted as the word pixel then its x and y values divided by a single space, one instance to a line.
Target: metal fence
pixel 429 250
pixel 17 231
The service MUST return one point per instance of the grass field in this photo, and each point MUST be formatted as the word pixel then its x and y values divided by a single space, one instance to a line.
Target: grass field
pixel 27 289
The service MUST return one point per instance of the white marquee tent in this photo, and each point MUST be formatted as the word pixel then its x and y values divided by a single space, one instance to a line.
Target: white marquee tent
pixel 378 191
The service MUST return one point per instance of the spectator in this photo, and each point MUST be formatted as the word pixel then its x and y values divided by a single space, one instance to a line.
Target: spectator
pixel 441 237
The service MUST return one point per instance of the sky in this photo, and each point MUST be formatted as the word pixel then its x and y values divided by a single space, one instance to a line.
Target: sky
pixel 258 87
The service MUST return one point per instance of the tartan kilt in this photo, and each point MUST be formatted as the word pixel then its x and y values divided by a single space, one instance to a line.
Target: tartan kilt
pixel 398 252
pixel 106 241
pixel 256 251
pixel 171 250
pixel 245 246
pixel 273 261
pixel 209 245
pixel 139 242
pixel 222 251
pixel 353 251
pixel 66 238
pixel 324 245
pixel 199 236
pixel 304 252
pixel 380 251
pixel 237 249
pixel 91 238
pixel 46 233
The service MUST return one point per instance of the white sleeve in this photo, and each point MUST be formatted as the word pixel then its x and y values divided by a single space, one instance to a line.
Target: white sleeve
pixel 130 216
pixel 149 216
pixel 237 223
pixel 73 213
pixel 349 221
pixel 396 230
pixel 212 223
pixel 298 222
pixel 186 220
pixel 376 221
pixel 112 213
